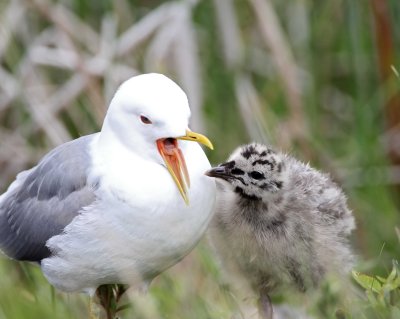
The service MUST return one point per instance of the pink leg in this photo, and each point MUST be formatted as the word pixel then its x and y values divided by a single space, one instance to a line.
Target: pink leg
pixel 265 306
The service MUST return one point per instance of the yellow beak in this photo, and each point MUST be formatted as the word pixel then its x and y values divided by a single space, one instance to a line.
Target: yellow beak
pixel 175 161
pixel 196 137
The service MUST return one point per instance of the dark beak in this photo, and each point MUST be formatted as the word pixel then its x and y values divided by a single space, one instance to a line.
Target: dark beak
pixel 219 172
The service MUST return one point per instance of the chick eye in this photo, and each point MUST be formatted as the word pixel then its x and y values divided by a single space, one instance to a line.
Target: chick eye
pixel 256 175
pixel 145 119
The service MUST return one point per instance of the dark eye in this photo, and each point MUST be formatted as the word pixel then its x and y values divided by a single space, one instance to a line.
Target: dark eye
pixel 256 175
pixel 145 119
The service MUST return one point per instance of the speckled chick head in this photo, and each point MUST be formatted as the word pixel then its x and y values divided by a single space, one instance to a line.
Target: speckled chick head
pixel 254 171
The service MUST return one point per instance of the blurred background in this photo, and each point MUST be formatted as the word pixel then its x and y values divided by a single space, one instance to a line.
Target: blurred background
pixel 317 79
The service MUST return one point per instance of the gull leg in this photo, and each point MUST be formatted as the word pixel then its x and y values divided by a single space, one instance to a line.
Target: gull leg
pixel 106 299
pixel 265 306
pixel 109 297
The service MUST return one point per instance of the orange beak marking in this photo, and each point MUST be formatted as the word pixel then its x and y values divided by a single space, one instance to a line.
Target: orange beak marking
pixel 176 165
pixel 175 161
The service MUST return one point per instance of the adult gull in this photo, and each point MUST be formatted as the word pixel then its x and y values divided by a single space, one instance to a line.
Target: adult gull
pixel 118 206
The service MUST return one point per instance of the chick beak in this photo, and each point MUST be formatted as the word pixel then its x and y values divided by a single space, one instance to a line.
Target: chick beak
pixel 219 172
pixel 175 161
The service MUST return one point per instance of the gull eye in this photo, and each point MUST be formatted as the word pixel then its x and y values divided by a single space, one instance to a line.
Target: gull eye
pixel 145 119
pixel 256 175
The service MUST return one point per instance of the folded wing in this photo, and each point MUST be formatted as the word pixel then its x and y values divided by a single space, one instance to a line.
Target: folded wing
pixel 42 201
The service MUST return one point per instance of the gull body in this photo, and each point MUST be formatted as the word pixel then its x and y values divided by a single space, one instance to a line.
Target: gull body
pixel 279 223
pixel 104 208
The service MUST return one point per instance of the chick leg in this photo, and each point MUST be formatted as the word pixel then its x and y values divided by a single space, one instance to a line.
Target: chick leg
pixel 265 306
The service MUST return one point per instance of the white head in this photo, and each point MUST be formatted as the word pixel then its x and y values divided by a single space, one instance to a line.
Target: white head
pixel 146 116
pixel 146 108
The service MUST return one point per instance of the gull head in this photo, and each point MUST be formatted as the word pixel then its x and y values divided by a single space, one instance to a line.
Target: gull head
pixel 148 115
pixel 255 171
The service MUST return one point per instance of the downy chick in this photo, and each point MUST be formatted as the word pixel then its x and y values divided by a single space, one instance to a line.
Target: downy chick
pixel 279 222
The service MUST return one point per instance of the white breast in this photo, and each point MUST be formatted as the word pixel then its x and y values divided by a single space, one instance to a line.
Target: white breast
pixel 138 227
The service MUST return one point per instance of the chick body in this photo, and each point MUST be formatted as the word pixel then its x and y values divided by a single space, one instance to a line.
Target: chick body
pixel 279 222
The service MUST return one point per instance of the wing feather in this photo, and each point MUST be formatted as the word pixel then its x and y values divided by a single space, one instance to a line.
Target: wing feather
pixel 42 201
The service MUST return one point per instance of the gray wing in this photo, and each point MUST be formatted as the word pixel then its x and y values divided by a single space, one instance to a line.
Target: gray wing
pixel 44 200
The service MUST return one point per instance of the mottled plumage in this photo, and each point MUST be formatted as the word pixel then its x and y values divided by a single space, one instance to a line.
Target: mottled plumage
pixel 279 222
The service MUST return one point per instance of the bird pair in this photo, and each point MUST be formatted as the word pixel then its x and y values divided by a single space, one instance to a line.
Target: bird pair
pixel 124 204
